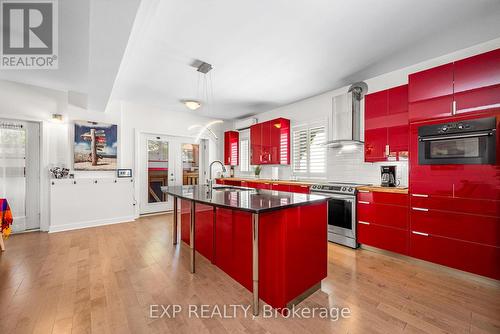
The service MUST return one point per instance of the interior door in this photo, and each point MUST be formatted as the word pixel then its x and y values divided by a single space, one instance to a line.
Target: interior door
pixel 168 161
pixel 20 172
pixel 158 166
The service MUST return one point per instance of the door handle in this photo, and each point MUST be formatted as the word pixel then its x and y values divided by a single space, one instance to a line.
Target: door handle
pixel 364 223
pixel 420 209
pixel 420 233
pixel 419 195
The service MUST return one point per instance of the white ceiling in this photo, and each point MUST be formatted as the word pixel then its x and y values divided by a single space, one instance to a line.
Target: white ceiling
pixel 90 49
pixel 269 53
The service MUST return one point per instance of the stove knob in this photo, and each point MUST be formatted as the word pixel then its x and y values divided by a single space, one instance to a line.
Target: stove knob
pixel 444 128
pixel 350 189
pixel 342 189
pixel 460 126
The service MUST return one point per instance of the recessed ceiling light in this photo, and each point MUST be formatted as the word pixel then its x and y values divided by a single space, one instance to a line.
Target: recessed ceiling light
pixel 193 105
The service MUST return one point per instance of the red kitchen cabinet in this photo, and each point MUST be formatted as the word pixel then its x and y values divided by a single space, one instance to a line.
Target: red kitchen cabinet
pixel 256 144
pixel 468 256
pixel 303 189
pixel 383 220
pixel 204 227
pixel 375 127
pixel 280 187
pixel 457 225
pixel 397 121
pixel 386 124
pixel 383 237
pixel 270 142
pixel 231 142
pixel 429 84
pixel 467 85
pixel 477 82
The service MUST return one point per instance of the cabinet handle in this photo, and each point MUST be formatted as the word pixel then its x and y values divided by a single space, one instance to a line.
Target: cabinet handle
pixel 420 209
pixel 387 150
pixel 304 186
pixel 454 107
pixel 419 195
pixel 275 184
pixel 364 223
pixel 363 191
pixel 420 233
pixel 363 202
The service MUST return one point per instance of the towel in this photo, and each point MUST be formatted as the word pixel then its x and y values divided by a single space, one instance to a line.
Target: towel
pixel 6 218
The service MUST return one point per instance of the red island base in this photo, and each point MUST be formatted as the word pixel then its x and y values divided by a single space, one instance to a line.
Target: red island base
pixel 292 247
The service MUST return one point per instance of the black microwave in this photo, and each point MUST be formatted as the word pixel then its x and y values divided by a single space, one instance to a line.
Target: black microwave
pixel 464 142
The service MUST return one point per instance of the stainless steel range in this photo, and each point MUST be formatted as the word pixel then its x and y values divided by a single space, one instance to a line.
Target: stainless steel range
pixel 341 211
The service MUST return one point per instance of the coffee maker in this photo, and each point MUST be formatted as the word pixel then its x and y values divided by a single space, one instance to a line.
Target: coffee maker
pixel 388 176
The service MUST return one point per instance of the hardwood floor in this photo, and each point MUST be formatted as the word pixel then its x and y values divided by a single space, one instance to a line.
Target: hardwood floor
pixel 103 280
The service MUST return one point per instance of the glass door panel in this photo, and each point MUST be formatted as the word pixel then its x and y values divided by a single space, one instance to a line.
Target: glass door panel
pixel 13 171
pixel 157 170
pixel 190 164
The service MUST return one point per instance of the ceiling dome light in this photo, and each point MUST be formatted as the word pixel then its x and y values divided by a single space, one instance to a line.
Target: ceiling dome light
pixel 193 105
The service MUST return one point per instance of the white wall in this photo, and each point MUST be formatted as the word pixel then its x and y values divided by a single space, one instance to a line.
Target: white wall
pixel 350 166
pixel 32 103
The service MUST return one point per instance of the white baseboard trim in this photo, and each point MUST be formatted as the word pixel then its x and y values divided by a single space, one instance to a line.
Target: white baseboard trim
pixel 91 223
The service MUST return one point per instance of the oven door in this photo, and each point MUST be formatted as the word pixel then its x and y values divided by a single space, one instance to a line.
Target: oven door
pixel 464 148
pixel 342 215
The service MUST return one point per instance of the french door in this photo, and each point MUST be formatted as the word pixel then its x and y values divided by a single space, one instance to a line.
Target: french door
pixel 167 161
pixel 20 172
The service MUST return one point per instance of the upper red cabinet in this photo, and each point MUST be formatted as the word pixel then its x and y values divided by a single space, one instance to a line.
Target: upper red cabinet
pixel 386 124
pixel 231 140
pixel 477 82
pixel 470 84
pixel 270 142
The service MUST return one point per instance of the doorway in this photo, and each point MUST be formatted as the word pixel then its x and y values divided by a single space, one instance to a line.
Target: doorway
pixel 20 172
pixel 167 161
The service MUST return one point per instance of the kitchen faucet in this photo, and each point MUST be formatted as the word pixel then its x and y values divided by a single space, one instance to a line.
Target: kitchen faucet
pixel 210 180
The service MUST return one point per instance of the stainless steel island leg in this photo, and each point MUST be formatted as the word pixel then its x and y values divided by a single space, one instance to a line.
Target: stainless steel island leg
pixel 191 235
pixel 175 224
pixel 255 262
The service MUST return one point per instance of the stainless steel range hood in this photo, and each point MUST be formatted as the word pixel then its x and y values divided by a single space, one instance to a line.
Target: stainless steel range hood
pixel 346 117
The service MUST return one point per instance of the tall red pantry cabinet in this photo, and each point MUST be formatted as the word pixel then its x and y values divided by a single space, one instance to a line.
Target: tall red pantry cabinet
pixel 455 209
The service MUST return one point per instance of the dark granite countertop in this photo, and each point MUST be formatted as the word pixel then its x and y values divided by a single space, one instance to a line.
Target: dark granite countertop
pixel 244 199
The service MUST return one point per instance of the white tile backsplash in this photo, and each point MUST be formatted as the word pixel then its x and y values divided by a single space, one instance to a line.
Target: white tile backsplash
pixel 344 166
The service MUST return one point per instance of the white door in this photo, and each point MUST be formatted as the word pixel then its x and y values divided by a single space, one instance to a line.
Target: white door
pixel 167 161
pixel 20 172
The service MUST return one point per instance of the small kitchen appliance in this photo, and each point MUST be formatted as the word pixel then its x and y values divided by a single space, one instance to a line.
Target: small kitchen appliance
pixel 388 175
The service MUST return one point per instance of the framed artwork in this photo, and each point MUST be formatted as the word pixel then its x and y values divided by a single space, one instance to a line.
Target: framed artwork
pixel 95 146
pixel 124 173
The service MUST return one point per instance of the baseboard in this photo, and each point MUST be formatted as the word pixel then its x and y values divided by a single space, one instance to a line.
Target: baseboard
pixel 92 223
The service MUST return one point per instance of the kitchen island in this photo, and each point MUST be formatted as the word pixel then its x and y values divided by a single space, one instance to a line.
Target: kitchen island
pixel 273 243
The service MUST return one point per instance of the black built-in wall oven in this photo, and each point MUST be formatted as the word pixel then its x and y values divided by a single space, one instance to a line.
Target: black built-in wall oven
pixel 463 142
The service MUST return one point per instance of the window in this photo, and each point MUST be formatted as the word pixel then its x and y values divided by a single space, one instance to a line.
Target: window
pixel 244 156
pixel 308 151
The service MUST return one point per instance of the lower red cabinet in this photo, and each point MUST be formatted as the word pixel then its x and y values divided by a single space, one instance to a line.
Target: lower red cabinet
pixel 303 189
pixel 388 238
pixel 468 256
pixel 204 227
pixel 383 220
pixel 280 187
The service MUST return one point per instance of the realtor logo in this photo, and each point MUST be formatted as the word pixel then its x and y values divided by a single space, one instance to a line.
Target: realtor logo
pixel 29 34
